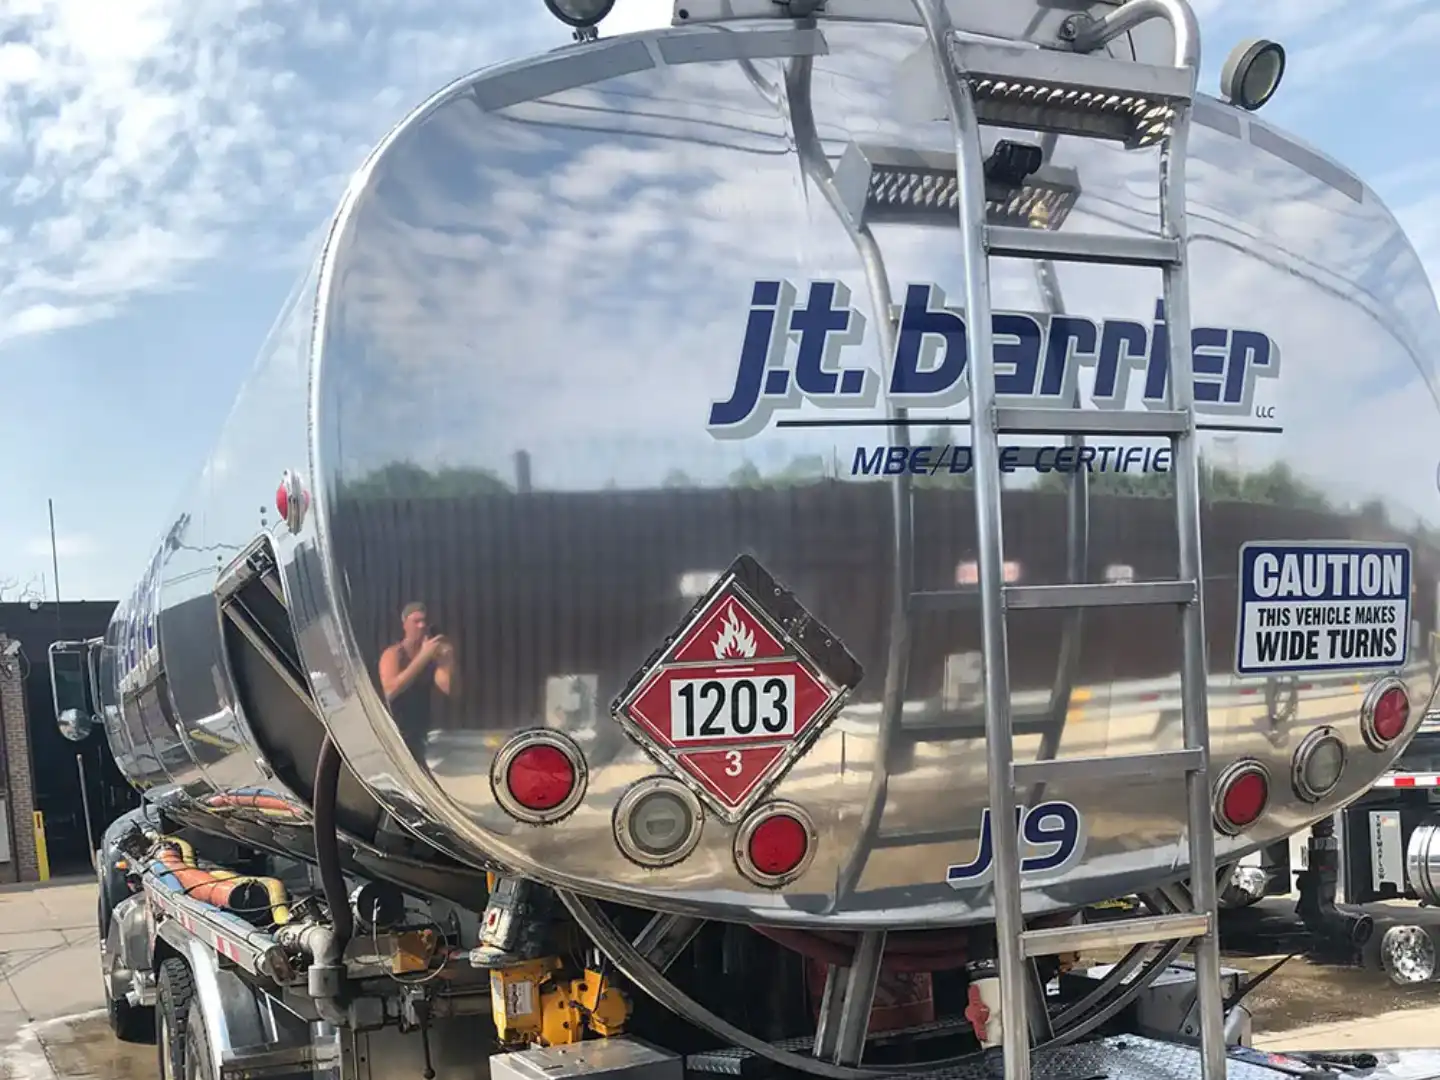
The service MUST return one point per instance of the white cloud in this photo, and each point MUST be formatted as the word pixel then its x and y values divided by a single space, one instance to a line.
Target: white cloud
pixel 141 141
pixel 641 213
pixel 67 546
pixel 630 16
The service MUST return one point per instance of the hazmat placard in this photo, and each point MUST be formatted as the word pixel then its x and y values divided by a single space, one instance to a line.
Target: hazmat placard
pixel 1322 606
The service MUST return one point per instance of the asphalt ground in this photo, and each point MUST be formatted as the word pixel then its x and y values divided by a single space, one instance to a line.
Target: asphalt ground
pixel 53 1027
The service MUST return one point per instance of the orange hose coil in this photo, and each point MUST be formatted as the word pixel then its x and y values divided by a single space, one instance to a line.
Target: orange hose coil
pixel 215 887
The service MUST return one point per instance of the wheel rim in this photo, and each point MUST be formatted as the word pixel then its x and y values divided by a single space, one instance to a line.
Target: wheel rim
pixel 167 1067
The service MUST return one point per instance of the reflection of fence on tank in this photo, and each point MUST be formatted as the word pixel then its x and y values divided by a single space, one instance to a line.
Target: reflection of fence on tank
pixel 590 582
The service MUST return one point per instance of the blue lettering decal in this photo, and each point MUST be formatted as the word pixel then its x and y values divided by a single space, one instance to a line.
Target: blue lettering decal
pixel 792 354
pixel 1124 346
pixel 928 327
pixel 1052 838
pixel 821 330
pixel 1017 344
pixel 1071 342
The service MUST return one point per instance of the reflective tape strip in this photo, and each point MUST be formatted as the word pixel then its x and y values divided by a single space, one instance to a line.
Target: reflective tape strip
pixel 229 947
pixel 1408 780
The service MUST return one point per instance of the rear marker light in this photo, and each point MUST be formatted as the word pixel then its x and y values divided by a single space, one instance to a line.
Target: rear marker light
pixel 538 777
pixel 1318 765
pixel 1241 795
pixel 658 822
pixel 1385 714
pixel 775 844
pixel 292 500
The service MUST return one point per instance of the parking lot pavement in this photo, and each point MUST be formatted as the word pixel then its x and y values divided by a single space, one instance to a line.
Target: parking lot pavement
pixel 53 1026
pixel 48 967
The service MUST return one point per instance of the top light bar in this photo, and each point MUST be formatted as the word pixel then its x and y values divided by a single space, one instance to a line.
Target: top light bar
pixel 883 185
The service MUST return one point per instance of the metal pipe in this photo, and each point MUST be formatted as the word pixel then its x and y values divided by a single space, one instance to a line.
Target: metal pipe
pixel 999 742
pixel 811 154
pixel 85 806
pixel 1316 906
pixel 642 973
pixel 1090 36
pixel 860 983
pixel 831 1003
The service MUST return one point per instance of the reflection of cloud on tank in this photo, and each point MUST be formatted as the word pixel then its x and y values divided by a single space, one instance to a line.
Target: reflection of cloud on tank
pixel 1337 270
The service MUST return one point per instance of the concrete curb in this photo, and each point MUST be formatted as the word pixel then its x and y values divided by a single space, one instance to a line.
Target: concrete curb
pixel 53 883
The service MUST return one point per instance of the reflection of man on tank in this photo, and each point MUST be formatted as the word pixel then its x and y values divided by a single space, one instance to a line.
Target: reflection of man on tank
pixel 410 668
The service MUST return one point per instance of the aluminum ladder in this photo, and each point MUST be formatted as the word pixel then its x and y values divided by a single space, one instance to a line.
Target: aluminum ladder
pixel 1139 104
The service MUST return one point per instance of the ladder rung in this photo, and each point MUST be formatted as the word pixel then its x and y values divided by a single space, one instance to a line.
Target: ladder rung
pixel 1109 935
pixel 1112 594
pixel 1041 420
pixel 1050 69
pixel 945 599
pixel 1158 763
pixel 1013 242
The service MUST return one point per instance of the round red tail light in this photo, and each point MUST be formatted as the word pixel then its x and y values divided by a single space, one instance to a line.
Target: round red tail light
pixel 1385 713
pixel 775 844
pixel 1241 795
pixel 538 777
pixel 292 500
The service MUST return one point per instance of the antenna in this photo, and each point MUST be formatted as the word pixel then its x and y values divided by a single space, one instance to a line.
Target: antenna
pixel 55 566
pixel 54 552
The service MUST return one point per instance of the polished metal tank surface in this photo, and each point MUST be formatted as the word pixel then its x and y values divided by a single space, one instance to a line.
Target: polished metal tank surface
pixel 505 361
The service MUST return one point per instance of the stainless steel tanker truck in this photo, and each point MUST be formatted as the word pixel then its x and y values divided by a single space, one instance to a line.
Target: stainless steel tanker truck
pixel 746 533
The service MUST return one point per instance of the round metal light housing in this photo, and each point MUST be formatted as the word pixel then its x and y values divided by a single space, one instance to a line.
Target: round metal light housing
pixel 658 822
pixel 1242 793
pixel 1318 764
pixel 775 844
pixel 1408 955
pixel 580 14
pixel 1385 713
pixel 538 777
pixel 1252 73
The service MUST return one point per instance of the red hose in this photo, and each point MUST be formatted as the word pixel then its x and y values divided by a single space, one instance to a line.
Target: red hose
pixel 820 948
pixel 909 951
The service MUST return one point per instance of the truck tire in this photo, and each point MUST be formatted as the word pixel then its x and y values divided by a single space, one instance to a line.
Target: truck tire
pixel 175 990
pixel 129 1023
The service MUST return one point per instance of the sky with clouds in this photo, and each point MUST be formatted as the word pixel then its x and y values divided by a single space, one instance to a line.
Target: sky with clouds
pixel 166 165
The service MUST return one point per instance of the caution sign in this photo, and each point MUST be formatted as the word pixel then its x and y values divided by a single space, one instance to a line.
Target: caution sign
pixel 743 687
pixel 1326 606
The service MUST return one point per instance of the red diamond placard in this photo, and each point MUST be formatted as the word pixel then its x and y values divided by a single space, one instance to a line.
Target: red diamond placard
pixel 734 698
pixel 730 775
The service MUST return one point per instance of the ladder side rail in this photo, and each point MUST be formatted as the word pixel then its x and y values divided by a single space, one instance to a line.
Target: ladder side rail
pixel 1184 26
pixel 1194 670
pixel 999 744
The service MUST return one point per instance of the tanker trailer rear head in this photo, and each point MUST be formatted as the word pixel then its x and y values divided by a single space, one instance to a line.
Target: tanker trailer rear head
pixel 638 535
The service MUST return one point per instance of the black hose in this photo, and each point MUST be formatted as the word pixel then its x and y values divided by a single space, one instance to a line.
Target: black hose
pixel 327 853
pixel 1340 924
pixel 326 980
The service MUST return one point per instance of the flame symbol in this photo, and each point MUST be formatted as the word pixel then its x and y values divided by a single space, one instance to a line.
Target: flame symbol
pixel 735 641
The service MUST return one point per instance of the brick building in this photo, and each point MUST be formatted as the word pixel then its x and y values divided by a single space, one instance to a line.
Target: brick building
pixel 17 797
